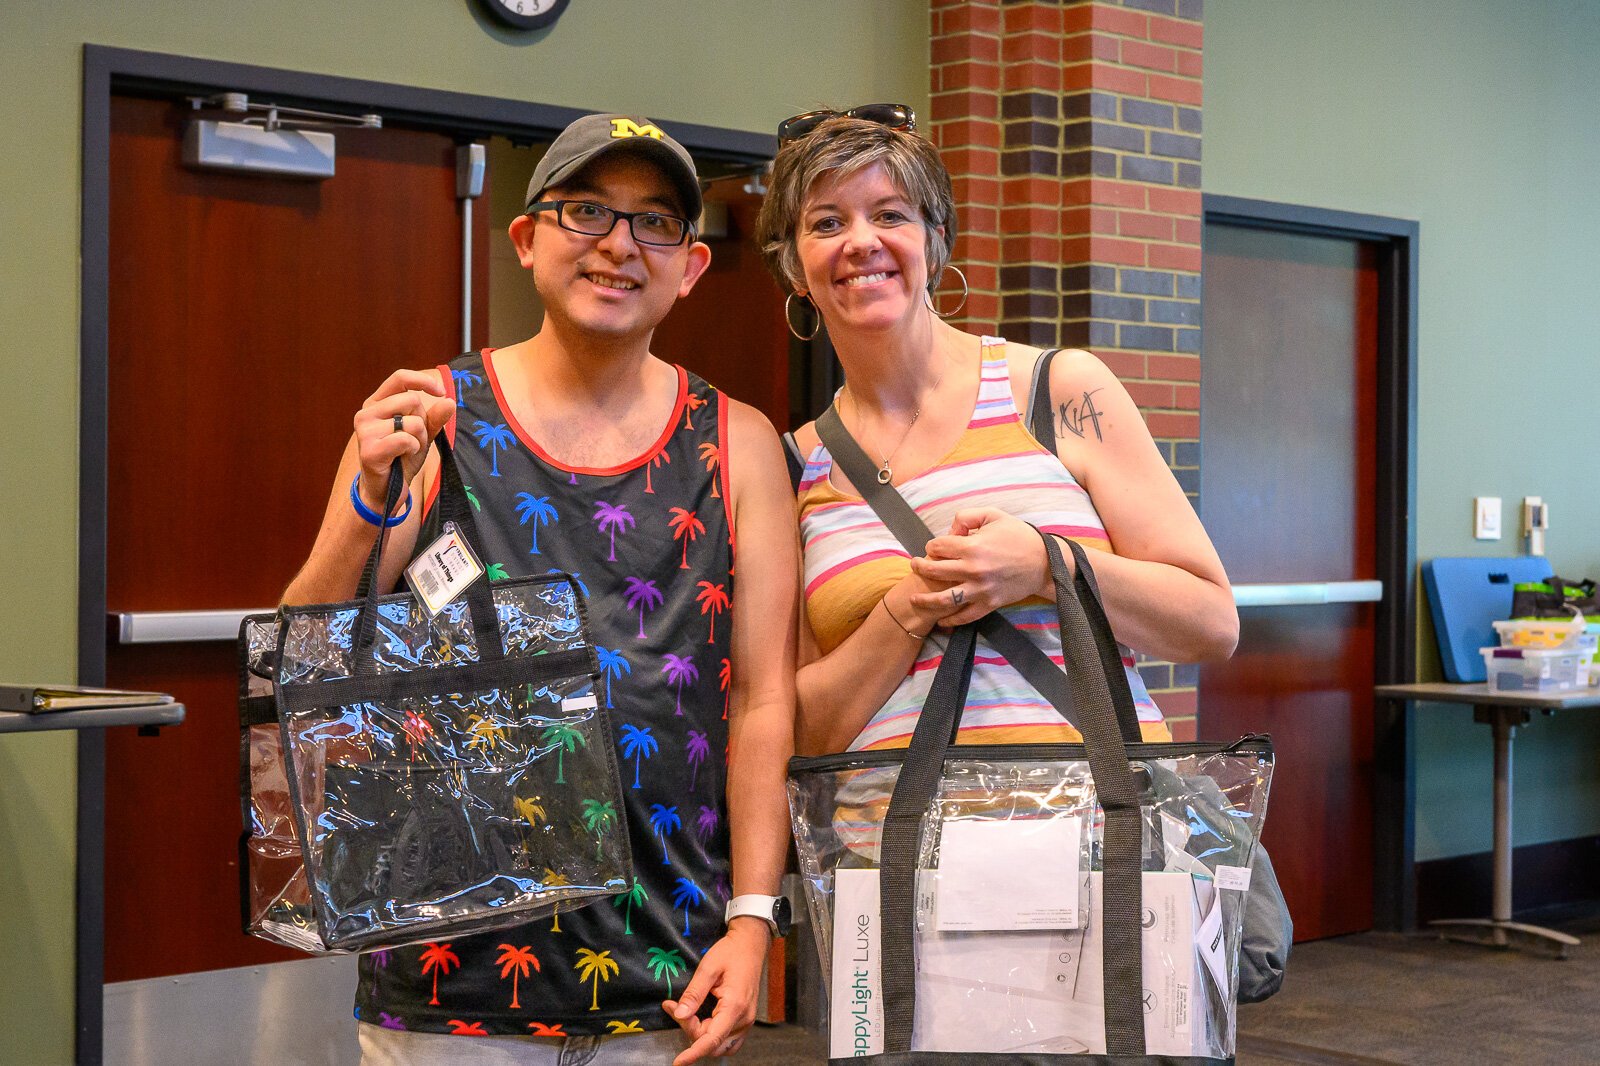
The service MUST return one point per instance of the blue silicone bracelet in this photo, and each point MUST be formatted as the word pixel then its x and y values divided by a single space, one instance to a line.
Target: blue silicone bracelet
pixel 370 516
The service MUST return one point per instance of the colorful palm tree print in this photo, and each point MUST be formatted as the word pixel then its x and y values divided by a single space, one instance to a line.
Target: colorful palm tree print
pixel 713 459
pixel 461 1028
pixel 680 671
pixel 541 1029
pixel 464 379
pixel 654 464
pixel 664 820
pixel 667 962
pixel 611 519
pixel 617 1028
pixel 634 897
pixel 418 730
pixel 574 575
pixel 612 664
pixel 705 825
pixel 555 880
pixel 390 1021
pixel 595 967
pixel 565 738
pixel 597 818
pixel 529 810
pixel 536 509
pixel 691 404
pixel 724 676
pixel 637 744
pixel 493 438
pixel 472 497
pixel 515 962
pixel 685 527
pixel 484 731
pixel 686 894
pixel 695 752
pixel 713 600
pixel 497 572
pixel 437 959
pixel 642 596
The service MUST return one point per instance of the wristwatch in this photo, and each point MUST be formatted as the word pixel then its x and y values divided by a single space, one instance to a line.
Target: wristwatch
pixel 774 910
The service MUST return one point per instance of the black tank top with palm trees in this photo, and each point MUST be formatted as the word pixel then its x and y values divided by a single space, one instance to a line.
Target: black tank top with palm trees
pixel 651 544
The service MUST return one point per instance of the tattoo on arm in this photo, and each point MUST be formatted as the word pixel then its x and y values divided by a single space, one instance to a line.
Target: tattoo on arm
pixel 1075 416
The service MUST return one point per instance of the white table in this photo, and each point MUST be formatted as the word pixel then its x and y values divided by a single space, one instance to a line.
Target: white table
pixel 1503 712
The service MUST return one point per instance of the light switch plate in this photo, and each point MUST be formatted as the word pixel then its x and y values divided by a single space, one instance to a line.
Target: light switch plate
pixel 1486 517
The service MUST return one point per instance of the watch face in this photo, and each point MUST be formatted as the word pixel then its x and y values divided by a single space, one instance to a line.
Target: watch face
pixel 781 915
pixel 526 14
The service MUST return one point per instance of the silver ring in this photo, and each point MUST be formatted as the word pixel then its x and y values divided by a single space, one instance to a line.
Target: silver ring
pixel 399 423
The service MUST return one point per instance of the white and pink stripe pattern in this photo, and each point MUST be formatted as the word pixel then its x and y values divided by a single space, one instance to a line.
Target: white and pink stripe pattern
pixel 851 559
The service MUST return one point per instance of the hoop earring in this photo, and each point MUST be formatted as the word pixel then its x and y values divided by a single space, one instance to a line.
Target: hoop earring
pixel 788 319
pixel 964 293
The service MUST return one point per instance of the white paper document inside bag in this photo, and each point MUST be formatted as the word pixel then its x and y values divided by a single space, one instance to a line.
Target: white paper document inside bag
pixel 1039 991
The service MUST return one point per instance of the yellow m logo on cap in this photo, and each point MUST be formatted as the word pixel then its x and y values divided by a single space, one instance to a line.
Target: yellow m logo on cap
pixel 625 127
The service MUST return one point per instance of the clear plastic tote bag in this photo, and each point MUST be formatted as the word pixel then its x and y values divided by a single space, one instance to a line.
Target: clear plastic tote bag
pixel 405 778
pixel 1032 904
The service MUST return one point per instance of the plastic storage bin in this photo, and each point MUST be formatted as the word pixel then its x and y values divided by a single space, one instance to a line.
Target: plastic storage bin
pixel 1589 655
pixel 1530 669
pixel 1540 633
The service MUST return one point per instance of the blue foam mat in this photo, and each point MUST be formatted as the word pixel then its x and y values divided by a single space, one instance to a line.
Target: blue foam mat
pixel 1467 596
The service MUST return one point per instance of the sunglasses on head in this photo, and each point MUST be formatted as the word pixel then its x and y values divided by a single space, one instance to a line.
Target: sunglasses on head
pixel 895 116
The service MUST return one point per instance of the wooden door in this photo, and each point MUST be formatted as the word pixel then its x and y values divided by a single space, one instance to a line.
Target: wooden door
pixel 249 317
pixel 730 329
pixel 1288 494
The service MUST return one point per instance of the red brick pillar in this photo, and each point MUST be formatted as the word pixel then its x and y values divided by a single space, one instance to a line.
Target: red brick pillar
pixel 1072 132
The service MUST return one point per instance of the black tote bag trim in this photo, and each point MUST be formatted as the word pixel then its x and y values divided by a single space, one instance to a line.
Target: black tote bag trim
pixel 468 677
pixel 1256 744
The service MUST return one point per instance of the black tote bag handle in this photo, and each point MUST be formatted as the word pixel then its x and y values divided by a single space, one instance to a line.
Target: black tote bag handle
pixel 913 534
pixel 1115 788
pixel 453 507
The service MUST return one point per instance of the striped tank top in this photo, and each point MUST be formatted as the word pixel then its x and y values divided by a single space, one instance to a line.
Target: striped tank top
pixel 852 560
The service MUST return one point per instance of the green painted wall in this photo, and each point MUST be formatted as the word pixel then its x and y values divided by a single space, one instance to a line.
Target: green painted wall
pixel 735 63
pixel 1476 118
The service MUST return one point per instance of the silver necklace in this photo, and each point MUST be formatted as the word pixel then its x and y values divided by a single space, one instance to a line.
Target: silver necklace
pixel 885 475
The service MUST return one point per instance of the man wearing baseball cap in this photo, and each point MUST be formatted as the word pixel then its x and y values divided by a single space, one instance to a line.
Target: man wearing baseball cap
pixel 644 478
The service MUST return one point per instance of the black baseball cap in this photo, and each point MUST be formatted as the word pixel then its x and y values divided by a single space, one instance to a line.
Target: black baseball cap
pixel 592 136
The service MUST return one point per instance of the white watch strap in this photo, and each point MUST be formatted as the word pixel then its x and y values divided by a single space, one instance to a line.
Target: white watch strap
pixel 753 907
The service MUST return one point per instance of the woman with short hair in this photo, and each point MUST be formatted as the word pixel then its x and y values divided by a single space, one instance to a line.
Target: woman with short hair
pixel 859 222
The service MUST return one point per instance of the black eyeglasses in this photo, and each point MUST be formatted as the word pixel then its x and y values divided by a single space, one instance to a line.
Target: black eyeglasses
pixel 895 116
pixel 597 220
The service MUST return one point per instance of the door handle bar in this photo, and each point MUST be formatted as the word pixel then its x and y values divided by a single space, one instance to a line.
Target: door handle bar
pixel 1307 593
pixel 167 627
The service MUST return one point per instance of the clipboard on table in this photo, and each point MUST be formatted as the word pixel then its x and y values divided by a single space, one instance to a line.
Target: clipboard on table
pixel 39 699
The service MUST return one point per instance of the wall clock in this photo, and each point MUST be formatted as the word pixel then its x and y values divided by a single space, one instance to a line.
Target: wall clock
pixel 525 14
